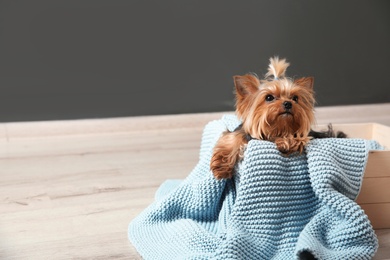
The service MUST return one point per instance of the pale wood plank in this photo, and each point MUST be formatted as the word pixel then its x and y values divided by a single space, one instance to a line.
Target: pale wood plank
pixel 73 197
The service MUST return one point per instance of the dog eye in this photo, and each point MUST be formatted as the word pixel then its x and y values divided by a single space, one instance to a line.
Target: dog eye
pixel 269 98
pixel 295 98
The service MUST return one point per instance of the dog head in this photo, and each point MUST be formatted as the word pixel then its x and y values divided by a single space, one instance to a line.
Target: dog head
pixel 276 106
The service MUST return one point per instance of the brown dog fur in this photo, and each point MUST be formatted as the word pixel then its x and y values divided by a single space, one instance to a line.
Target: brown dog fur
pixel 277 109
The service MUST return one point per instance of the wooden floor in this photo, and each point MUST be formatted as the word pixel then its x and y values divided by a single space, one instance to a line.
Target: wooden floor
pixel 69 189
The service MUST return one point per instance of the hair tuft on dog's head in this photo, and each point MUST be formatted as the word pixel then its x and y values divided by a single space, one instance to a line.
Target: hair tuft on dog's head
pixel 277 68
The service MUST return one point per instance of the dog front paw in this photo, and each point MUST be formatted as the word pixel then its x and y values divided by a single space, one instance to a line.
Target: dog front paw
pixel 221 166
pixel 289 145
pixel 283 145
pixel 298 144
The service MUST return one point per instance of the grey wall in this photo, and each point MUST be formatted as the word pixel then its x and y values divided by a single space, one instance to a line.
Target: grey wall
pixel 93 58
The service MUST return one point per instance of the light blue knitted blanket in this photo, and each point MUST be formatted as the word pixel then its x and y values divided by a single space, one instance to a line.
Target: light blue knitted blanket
pixel 275 207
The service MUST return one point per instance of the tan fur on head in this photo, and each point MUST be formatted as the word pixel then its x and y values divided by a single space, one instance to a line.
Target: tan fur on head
pixel 266 120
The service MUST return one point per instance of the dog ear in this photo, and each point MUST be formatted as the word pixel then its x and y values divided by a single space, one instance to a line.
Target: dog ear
pixel 306 82
pixel 246 85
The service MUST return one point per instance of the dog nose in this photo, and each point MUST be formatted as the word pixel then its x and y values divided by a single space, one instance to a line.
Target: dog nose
pixel 287 104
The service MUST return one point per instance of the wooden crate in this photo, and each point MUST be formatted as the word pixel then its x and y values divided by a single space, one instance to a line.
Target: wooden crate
pixel 374 196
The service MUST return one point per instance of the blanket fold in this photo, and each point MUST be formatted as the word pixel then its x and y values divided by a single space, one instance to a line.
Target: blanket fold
pixel 275 207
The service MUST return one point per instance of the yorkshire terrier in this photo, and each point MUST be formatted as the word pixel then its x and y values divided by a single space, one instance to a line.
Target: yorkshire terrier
pixel 278 109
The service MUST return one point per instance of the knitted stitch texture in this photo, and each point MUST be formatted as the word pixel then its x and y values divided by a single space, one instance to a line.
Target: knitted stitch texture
pixel 275 207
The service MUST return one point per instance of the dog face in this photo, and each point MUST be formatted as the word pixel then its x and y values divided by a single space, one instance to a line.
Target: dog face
pixel 275 108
